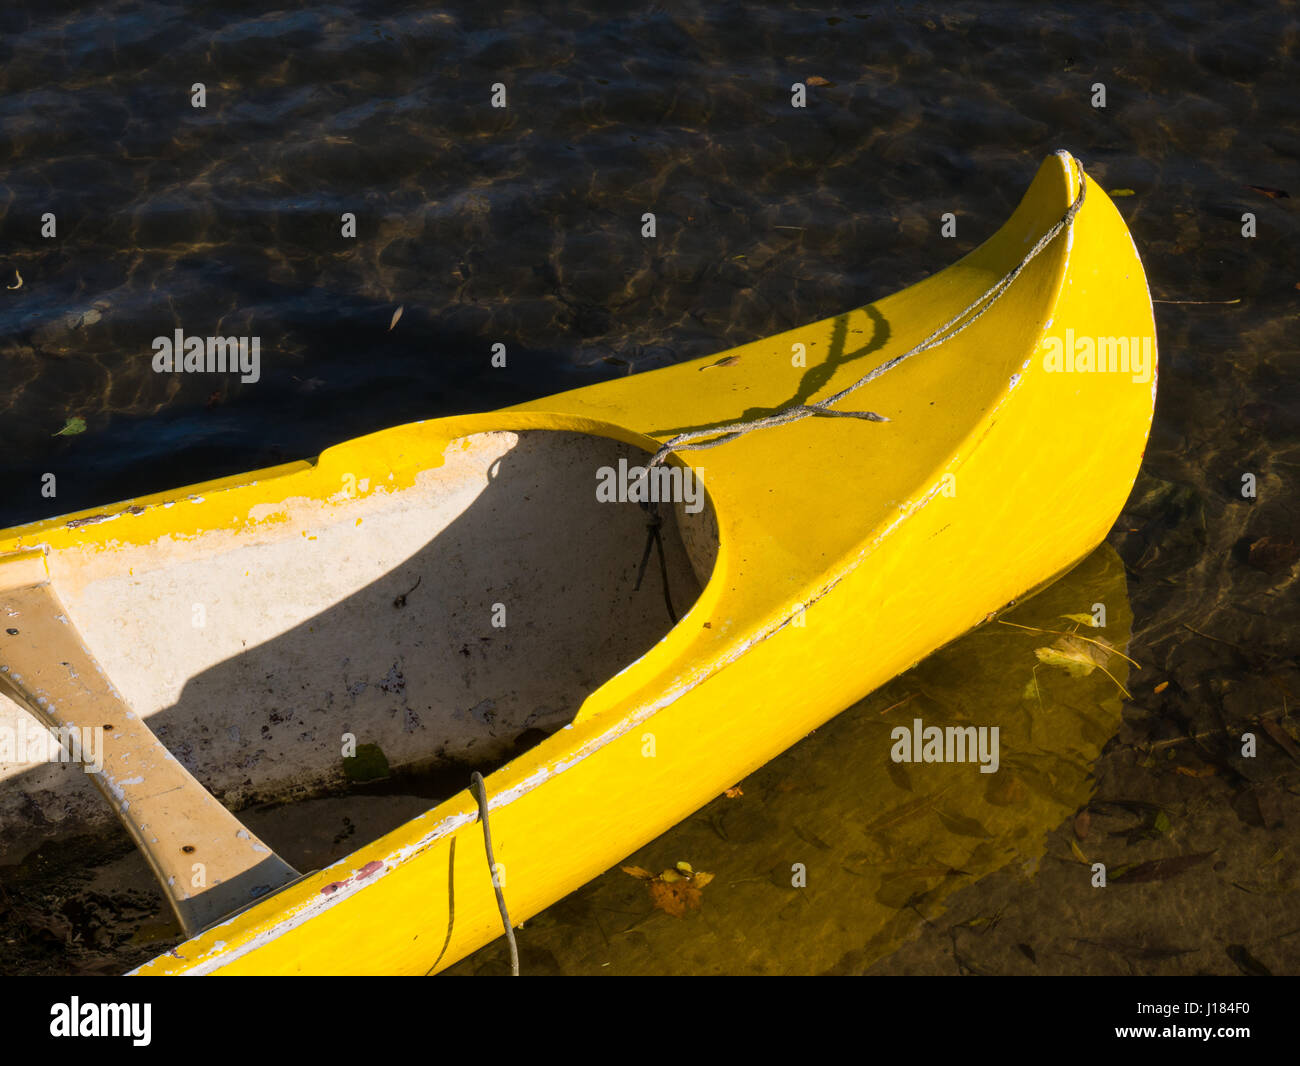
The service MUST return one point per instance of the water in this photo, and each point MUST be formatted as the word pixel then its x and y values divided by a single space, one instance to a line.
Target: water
pixel 522 227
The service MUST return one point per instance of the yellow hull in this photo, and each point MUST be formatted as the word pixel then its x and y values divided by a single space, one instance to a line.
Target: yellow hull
pixel 846 552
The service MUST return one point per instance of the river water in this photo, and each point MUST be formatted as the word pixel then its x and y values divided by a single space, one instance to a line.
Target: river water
pixel 521 226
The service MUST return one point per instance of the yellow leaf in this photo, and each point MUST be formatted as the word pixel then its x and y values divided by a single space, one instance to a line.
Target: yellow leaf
pixel 1072 655
pixel 1078 853
pixel 685 867
pixel 669 876
pixel 702 879
pixel 1122 192
pixel 1082 619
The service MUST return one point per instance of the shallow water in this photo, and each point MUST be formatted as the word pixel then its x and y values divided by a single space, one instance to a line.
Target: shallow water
pixel 522 227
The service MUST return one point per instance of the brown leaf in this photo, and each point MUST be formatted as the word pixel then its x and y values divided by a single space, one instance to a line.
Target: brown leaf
pixel 1161 869
pixel 638 871
pixel 1272 194
pixel 1082 823
pixel 1161 687
pixel 675 897
pixel 1280 736
pixel 734 792
pixel 1272 553
pixel 817 79
pixel 1246 962
pixel 730 360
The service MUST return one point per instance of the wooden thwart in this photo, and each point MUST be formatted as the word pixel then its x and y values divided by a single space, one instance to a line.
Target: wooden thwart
pixel 208 863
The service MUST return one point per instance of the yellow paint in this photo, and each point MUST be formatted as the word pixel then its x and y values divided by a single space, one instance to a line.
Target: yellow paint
pixel 855 521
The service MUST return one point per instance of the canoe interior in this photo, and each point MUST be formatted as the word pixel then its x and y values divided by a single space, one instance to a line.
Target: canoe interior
pixel 451 624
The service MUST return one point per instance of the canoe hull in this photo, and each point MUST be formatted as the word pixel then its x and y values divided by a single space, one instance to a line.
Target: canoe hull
pixel 1023 491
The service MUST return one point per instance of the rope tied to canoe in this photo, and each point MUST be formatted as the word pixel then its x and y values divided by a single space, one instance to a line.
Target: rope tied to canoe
pixel 696 440
pixel 479 789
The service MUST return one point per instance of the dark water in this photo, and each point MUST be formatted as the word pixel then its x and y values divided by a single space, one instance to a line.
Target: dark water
pixel 522 225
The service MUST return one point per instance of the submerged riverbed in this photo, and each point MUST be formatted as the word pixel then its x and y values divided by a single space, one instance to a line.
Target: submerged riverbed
pixel 522 227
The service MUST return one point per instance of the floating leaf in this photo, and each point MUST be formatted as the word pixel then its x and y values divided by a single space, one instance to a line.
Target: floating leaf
pixel 1082 823
pixel 1082 619
pixel 1078 853
pixel 1246 962
pixel 1280 738
pixel 1122 192
pixel 20 280
pixel 1272 554
pixel 702 879
pixel 638 871
pixel 730 360
pixel 1080 656
pixel 1161 687
pixel 816 79
pixel 685 868
pixel 734 792
pixel 1161 824
pixel 963 826
pixel 74 425
pixel 1272 194
pixel 1159 869
pixel 1074 656
pixel 676 897
pixel 396 315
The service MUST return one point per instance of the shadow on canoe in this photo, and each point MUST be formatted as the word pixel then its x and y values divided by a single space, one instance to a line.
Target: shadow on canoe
pixel 444 627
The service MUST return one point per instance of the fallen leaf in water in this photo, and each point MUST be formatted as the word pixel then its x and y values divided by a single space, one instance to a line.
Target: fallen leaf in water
pixel 673 891
pixel 1281 738
pixel 396 315
pixel 1077 657
pixel 20 281
pixel 730 360
pixel 1272 553
pixel 1082 823
pixel 675 897
pixel 1161 687
pixel 1160 869
pixel 816 79
pixel 962 825
pixel 72 427
pixel 1078 853
pixel 1122 192
pixel 734 792
pixel 1161 823
pixel 1187 771
pixel 1246 962
pixel 1272 194
pixel 1080 657
pixel 1082 619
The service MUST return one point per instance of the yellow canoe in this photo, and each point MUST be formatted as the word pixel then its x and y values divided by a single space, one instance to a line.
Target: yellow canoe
pixel 460 590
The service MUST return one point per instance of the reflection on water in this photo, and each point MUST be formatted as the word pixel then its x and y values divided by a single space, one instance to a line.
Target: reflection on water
pixel 883 843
